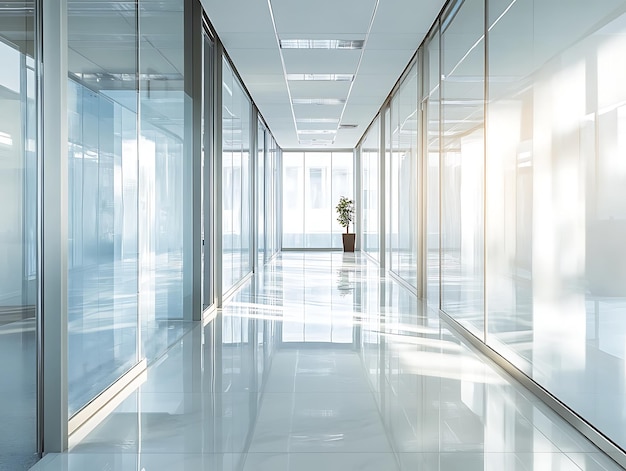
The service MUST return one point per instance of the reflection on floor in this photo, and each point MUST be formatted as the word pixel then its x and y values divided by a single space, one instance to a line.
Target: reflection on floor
pixel 321 363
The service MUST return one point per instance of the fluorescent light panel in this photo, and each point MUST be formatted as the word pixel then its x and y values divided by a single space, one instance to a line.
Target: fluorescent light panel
pixel 316 142
pixel 318 101
pixel 317 131
pixel 317 120
pixel 348 44
pixel 321 77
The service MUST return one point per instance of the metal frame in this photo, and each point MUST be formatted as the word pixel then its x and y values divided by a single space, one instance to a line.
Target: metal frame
pixel 193 38
pixel 39 311
pixel 357 191
pixel 208 242
pixel 54 233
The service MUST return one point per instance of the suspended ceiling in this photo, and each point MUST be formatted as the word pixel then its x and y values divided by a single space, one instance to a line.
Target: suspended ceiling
pixel 391 31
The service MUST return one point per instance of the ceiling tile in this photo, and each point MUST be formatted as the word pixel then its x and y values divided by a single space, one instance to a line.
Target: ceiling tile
pixel 406 16
pixel 317 111
pixel 360 113
pixel 322 16
pixel 391 62
pixel 394 42
pixel 319 89
pixel 256 61
pixel 319 61
pixel 228 16
pixel 250 41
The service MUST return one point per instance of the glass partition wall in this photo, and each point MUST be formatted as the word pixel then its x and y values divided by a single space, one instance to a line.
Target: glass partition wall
pixel 18 235
pixel 402 180
pixel 236 180
pixel 267 188
pixel 370 179
pixel 129 190
pixel 522 110
pixel 130 203
pixel 462 163
pixel 103 157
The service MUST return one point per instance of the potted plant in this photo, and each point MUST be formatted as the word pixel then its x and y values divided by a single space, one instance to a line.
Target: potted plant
pixel 345 210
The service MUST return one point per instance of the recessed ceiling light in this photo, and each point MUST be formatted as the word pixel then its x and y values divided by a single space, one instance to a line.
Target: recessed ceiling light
pixel 318 101
pixel 317 131
pixel 321 77
pixel 317 120
pixel 315 142
pixel 321 43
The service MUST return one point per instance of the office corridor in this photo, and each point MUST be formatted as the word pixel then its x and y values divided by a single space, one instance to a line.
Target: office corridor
pixel 321 363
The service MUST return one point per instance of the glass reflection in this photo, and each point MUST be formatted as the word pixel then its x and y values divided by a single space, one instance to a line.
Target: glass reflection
pixel 236 201
pixel 18 235
pixel 403 189
pixel 103 196
pixel 431 145
pixel 370 163
pixel 380 386
pixel 555 201
pixel 462 165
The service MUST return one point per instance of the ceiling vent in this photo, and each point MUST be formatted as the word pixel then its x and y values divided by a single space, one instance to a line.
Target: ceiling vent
pixel 348 126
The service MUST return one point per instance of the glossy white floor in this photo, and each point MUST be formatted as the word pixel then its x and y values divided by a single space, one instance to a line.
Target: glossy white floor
pixel 322 364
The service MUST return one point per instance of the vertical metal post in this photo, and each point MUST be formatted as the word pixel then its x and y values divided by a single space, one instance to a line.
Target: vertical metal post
pixel 420 157
pixel 382 198
pixel 485 111
pixel 441 163
pixel 192 248
pixel 358 196
pixel 254 204
pixel 54 217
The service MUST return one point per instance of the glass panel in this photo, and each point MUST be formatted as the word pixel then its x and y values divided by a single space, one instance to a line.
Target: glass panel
pixel 277 181
pixel 393 179
pixel 556 193
pixel 314 181
pixel 245 231
pixel 208 212
pixel 463 166
pixel 403 215
pixel 18 236
pixel 510 180
pixel 370 161
pixel 293 200
pixel 103 183
pixel 432 141
pixel 236 204
pixel 260 195
pixel 342 185
pixel 228 204
pixel 165 218
pixel 318 207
